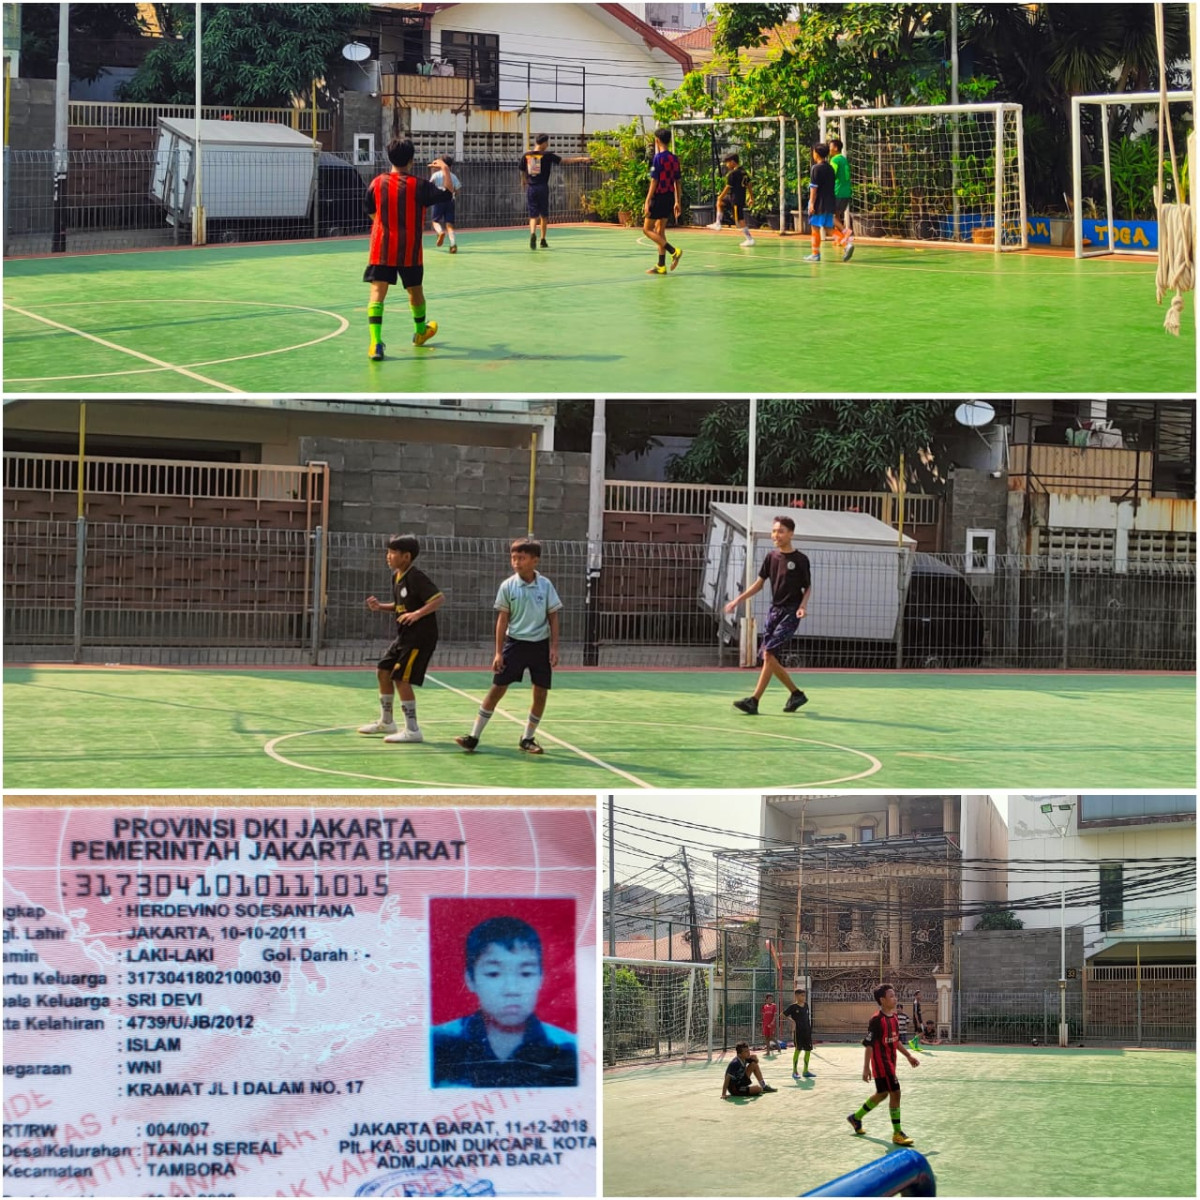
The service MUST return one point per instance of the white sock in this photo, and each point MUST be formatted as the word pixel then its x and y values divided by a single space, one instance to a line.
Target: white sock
pixel 409 708
pixel 437 228
pixel 531 724
pixel 452 237
pixel 482 717
pixel 385 708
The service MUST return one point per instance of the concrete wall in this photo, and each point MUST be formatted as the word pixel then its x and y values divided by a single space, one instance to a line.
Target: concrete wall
pixel 361 113
pixel 450 490
pixel 1017 960
pixel 31 114
pixel 976 501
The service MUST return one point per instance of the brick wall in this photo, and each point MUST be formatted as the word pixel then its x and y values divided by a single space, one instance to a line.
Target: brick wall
pixel 994 960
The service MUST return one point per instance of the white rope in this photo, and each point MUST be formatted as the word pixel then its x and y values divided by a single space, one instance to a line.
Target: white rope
pixel 1176 249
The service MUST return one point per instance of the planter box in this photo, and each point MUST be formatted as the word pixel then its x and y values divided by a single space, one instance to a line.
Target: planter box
pixel 1050 231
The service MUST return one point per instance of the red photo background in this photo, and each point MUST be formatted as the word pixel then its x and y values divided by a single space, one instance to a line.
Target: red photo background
pixel 451 918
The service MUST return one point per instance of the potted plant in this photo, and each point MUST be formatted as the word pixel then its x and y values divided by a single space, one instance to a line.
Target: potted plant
pixel 623 154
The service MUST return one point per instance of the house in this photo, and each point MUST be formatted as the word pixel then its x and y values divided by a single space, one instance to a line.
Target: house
pixel 487 76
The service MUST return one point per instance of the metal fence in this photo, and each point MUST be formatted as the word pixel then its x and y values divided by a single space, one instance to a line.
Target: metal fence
pixel 111 592
pixel 110 206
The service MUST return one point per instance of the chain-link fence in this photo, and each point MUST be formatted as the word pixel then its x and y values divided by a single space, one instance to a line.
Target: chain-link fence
pixel 110 201
pixel 148 593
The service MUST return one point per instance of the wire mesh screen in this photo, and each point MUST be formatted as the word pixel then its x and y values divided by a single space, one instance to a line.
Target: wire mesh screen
pixel 655 1010
pixel 125 199
pixel 1017 1018
pixel 140 589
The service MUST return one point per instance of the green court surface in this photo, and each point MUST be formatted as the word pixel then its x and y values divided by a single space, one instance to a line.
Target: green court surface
pixel 135 727
pixel 991 1121
pixel 583 317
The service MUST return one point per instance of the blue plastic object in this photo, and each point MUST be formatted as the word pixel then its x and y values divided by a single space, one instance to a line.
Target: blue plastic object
pixel 900 1173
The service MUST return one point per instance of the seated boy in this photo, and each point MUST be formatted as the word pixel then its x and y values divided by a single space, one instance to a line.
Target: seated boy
pixel 503 1044
pixel 741 1074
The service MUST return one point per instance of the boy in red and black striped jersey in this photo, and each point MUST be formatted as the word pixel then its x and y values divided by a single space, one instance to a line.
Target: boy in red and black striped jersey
pixel 397 203
pixel 879 1061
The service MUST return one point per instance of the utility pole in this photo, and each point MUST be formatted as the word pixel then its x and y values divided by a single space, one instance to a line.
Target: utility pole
pixel 691 895
pixel 62 92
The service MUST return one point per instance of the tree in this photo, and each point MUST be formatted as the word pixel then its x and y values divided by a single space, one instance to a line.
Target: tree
pixel 819 443
pixel 997 918
pixel 91 25
pixel 632 426
pixel 252 54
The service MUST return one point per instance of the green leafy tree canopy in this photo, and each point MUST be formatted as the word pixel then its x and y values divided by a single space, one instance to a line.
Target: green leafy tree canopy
pixel 252 54
pixel 91 26
pixel 1000 919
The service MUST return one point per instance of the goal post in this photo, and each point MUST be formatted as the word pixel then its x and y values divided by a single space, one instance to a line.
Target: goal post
pixel 769 150
pixel 1096 203
pixel 656 1011
pixel 938 173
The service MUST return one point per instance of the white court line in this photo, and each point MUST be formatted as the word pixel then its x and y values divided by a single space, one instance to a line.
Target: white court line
pixel 91 337
pixel 343 325
pixel 548 736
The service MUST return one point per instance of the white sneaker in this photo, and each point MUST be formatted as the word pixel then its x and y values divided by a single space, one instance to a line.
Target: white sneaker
pixel 378 727
pixel 715 225
pixel 747 241
pixel 406 735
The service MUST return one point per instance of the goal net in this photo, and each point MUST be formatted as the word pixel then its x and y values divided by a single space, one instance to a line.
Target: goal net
pixel 768 149
pixel 1114 169
pixel 936 173
pixel 656 1010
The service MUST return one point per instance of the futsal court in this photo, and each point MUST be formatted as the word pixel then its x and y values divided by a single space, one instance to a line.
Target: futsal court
pixel 584 316
pixel 208 728
pixel 991 1122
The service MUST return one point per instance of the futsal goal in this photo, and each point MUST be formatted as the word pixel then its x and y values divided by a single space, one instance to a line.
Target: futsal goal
pixel 1115 147
pixel 656 1011
pixel 935 173
pixel 768 148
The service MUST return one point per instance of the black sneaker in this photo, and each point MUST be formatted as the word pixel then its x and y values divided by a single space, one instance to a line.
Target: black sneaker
pixel 768 1088
pixel 749 705
pixel 467 742
pixel 530 746
pixel 545 244
pixel 796 700
pixel 533 241
pixel 855 1123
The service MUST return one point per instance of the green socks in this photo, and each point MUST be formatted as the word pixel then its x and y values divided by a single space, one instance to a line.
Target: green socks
pixel 796 1059
pixel 806 1054
pixel 866 1108
pixel 419 317
pixel 375 322
pixel 895 1115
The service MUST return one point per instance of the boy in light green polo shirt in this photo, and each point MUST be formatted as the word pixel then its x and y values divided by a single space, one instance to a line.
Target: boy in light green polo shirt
pixel 842 234
pixel 527 609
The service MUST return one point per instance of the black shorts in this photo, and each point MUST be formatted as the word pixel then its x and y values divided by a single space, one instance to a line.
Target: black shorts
pixel 520 657
pixel 537 200
pixel 407 660
pixel 804 1044
pixel 739 1089
pixel 662 206
pixel 442 214
pixel 840 204
pixel 887 1083
pixel 737 202
pixel 408 277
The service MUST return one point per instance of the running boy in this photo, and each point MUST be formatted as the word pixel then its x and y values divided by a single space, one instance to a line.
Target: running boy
pixel 740 1075
pixel 768 1023
pixel 879 1060
pixel 820 198
pixel 396 203
pixel 791 584
pixel 802 1019
pixel 442 215
pixel 737 192
pixel 663 200
pixel 526 640
pixel 415 601
pixel 842 233
pixel 536 165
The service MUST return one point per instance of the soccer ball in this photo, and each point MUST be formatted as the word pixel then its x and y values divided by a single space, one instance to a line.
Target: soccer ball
pixel 1035 1041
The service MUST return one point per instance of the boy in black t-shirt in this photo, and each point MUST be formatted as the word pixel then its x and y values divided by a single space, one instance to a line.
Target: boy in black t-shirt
pixel 536 165
pixel 415 600
pixel 737 192
pixel 801 1018
pixel 791 583
pixel 821 200
pixel 743 1076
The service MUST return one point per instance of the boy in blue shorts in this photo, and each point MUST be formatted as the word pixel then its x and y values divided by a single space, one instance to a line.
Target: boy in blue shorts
pixel 821 200
pixel 442 215
pixel 791 583
pixel 526 640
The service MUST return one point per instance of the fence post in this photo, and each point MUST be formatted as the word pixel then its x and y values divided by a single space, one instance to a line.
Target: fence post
pixel 80 570
pixel 317 613
pixel 1066 641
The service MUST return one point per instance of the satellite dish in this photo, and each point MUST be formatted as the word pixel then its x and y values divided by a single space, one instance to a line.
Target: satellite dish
pixel 974 413
pixel 356 52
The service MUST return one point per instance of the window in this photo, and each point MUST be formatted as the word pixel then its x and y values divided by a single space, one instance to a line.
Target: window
pixel 866 833
pixel 1113 810
pixel 1112 896
pixel 981 552
pixel 364 148
pixel 808 921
